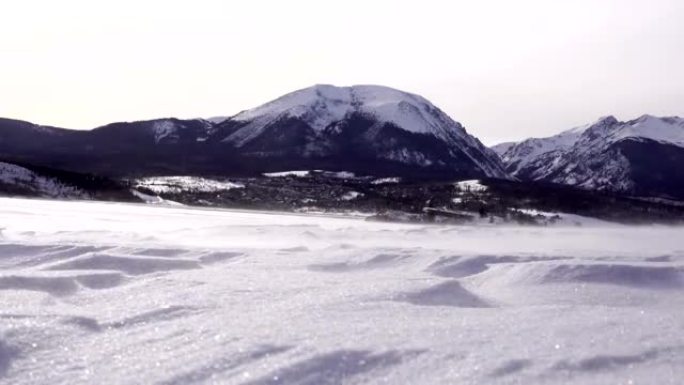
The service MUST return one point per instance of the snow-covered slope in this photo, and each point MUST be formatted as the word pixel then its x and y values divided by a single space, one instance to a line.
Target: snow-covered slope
pixel 501 148
pixel 95 293
pixel 640 156
pixel 19 180
pixel 323 120
pixel 324 105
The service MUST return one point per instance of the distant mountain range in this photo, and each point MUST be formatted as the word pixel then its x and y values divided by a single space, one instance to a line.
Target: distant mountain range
pixel 363 129
pixel 642 157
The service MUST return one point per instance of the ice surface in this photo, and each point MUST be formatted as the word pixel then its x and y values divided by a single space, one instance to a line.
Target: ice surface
pixel 108 293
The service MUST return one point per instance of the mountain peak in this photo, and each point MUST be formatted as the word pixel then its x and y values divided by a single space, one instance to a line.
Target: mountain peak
pixel 366 129
pixel 323 105
pixel 321 118
pixel 629 157
pixel 606 120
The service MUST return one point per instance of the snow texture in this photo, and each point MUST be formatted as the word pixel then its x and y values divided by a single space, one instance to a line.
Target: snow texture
pixel 119 294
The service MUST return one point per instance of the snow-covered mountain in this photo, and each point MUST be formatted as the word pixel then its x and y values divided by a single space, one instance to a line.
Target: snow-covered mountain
pixel 368 130
pixel 641 157
pixel 501 148
pixel 362 129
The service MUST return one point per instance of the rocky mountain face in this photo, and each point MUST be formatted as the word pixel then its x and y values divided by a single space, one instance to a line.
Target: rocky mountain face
pixel 363 129
pixel 640 157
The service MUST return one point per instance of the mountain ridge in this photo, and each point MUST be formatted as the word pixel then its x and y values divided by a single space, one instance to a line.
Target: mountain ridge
pixel 372 129
pixel 639 156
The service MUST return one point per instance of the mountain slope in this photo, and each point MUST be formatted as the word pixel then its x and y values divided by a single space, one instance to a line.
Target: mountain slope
pixel 17 180
pixel 639 157
pixel 44 182
pixel 364 129
pixel 357 128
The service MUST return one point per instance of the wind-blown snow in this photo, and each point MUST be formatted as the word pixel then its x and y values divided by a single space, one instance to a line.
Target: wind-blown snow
pixel 153 199
pixel 118 294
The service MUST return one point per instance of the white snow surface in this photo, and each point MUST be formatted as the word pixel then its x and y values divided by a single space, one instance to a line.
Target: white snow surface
pixel 113 293
pixel 567 219
pixel 391 180
pixel 473 185
pixel 177 184
pixel 153 199
pixel 282 174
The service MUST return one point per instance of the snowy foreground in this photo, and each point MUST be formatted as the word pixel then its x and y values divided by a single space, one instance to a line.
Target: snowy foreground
pixel 107 293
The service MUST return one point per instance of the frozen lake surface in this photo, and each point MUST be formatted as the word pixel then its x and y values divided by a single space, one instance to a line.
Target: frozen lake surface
pixel 132 294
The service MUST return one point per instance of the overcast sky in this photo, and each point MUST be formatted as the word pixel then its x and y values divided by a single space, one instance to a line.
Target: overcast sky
pixel 505 69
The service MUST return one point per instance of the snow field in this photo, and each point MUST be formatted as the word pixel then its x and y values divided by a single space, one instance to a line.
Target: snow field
pixel 95 292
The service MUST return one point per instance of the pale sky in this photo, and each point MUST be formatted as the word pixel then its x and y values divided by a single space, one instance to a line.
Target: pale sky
pixel 505 69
